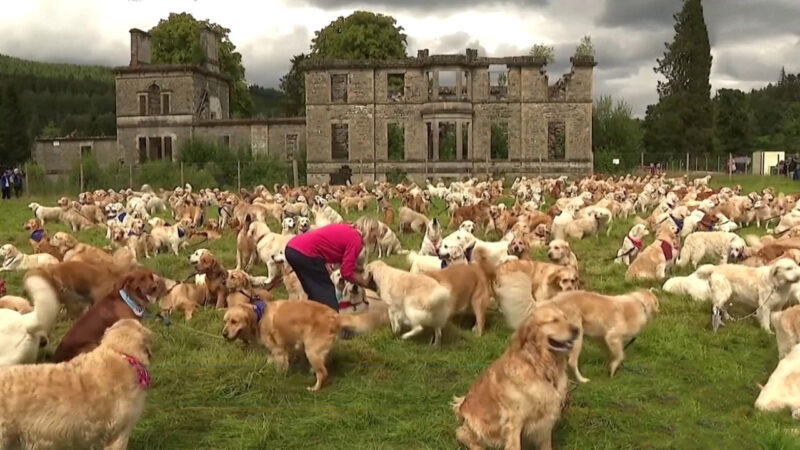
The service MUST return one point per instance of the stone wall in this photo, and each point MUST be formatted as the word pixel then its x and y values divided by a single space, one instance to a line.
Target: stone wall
pixel 57 156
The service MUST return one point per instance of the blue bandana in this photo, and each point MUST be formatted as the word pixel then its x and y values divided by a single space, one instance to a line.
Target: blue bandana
pixel 678 222
pixel 121 216
pixel 138 311
pixel 37 235
pixel 259 307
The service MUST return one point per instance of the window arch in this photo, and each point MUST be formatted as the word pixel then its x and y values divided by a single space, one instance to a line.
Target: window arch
pixel 153 100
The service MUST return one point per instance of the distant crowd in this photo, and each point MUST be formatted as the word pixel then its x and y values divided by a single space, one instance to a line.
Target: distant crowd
pixel 11 179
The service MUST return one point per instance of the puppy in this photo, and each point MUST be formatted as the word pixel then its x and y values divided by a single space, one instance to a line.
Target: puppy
pixel 413 298
pixel 13 259
pixel 523 392
pixel 39 239
pixel 632 244
pixel 559 252
pixel 126 301
pixel 614 319
pixel 283 326
pixel 215 278
pixel 653 261
pixel 105 388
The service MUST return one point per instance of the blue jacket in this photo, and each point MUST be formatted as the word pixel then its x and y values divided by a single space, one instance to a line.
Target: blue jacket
pixel 5 181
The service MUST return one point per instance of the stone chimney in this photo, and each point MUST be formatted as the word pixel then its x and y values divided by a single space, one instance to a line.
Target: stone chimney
pixel 422 53
pixel 140 47
pixel 472 53
pixel 209 40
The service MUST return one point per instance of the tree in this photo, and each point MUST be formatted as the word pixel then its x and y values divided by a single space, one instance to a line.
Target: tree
pixel 361 35
pixel 616 134
pixel 733 127
pixel 176 40
pixel 544 52
pixel 14 143
pixel 686 92
pixel 293 86
pixel 585 48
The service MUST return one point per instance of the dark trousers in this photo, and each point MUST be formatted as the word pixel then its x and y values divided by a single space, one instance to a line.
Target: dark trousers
pixel 314 278
pixel 17 191
pixel 6 193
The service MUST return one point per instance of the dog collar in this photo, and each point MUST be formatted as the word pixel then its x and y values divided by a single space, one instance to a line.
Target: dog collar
pixel 636 242
pixel 142 374
pixel 259 307
pixel 37 235
pixel 137 309
pixel 666 247
pixel 346 304
pixel 121 216
pixel 678 222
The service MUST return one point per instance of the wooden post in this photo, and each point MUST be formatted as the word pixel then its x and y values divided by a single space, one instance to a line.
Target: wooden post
pixel 27 181
pixel 360 169
pixel 295 173
pixel 730 166
pixel 718 168
pixel 183 181
pixel 642 160
pixel 130 176
pixel 687 163
pixel 238 175
pixel 82 190
pixel 540 164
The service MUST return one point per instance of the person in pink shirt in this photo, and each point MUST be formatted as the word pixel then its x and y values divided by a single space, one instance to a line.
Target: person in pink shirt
pixel 308 254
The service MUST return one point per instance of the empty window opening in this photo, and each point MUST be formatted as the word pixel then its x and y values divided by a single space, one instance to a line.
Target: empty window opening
pixel 396 86
pixel 498 82
pixel 142 104
pixel 291 146
pixel 447 85
pixel 86 150
pixel 168 148
pixel 396 141
pixel 339 84
pixel 340 141
pixel 429 81
pixel 465 140
pixel 153 100
pixel 142 147
pixel 166 103
pixel 464 84
pixel 447 141
pixel 429 133
pixel 154 149
pixel 556 139
pixel 499 140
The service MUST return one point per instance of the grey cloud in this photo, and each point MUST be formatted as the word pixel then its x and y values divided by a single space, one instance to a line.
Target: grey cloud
pixel 737 20
pixel 267 57
pixel 455 43
pixel 420 5
pixel 638 13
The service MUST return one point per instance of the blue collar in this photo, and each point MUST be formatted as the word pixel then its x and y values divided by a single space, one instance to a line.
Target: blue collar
pixel 259 308
pixel 678 222
pixel 37 235
pixel 137 309
pixel 121 216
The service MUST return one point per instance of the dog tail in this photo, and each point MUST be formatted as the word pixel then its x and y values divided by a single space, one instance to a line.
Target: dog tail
pixel 704 272
pixel 377 316
pixel 45 303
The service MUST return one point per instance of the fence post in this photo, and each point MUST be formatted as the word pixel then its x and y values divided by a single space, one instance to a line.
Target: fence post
pixel 718 168
pixel 27 181
pixel 360 170
pixel 730 171
pixel 238 175
pixel 295 173
pixel 687 163
pixel 130 176
pixel 182 179
pixel 706 162
pixel 641 164
pixel 82 190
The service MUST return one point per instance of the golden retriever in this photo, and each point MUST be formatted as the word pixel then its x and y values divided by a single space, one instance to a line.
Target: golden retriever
pixel 653 261
pixel 13 259
pixel 285 325
pixel 614 319
pixel 522 393
pixel 93 401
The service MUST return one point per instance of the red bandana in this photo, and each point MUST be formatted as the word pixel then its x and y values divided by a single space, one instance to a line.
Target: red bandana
pixel 141 371
pixel 666 247
pixel 636 242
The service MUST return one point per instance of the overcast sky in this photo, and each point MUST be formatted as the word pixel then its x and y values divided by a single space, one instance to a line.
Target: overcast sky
pixel 750 39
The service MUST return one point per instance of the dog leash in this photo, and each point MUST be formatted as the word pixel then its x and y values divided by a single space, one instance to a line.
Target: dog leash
pixel 716 314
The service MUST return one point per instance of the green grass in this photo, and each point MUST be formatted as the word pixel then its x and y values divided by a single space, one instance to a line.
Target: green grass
pixel 681 386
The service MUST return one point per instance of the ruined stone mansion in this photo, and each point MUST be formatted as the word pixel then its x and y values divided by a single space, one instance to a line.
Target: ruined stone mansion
pixel 419 117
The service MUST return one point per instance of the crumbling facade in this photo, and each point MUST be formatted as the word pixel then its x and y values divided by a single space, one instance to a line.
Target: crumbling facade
pixel 424 117
pixel 160 107
pixel 448 116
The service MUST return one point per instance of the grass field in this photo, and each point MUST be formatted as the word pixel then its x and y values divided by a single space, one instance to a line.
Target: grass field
pixel 681 386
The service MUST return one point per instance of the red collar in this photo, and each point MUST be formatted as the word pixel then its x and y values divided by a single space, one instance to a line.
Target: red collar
pixel 346 304
pixel 636 242
pixel 141 371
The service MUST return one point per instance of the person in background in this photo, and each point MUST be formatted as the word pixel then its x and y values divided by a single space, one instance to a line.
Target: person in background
pixel 309 253
pixel 19 177
pixel 5 184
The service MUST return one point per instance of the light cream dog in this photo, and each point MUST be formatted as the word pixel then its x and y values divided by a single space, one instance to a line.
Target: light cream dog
pixel 720 245
pixel 613 319
pixel 632 244
pixel 783 387
pixel 13 259
pixel 787 329
pixel 93 401
pixel 560 252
